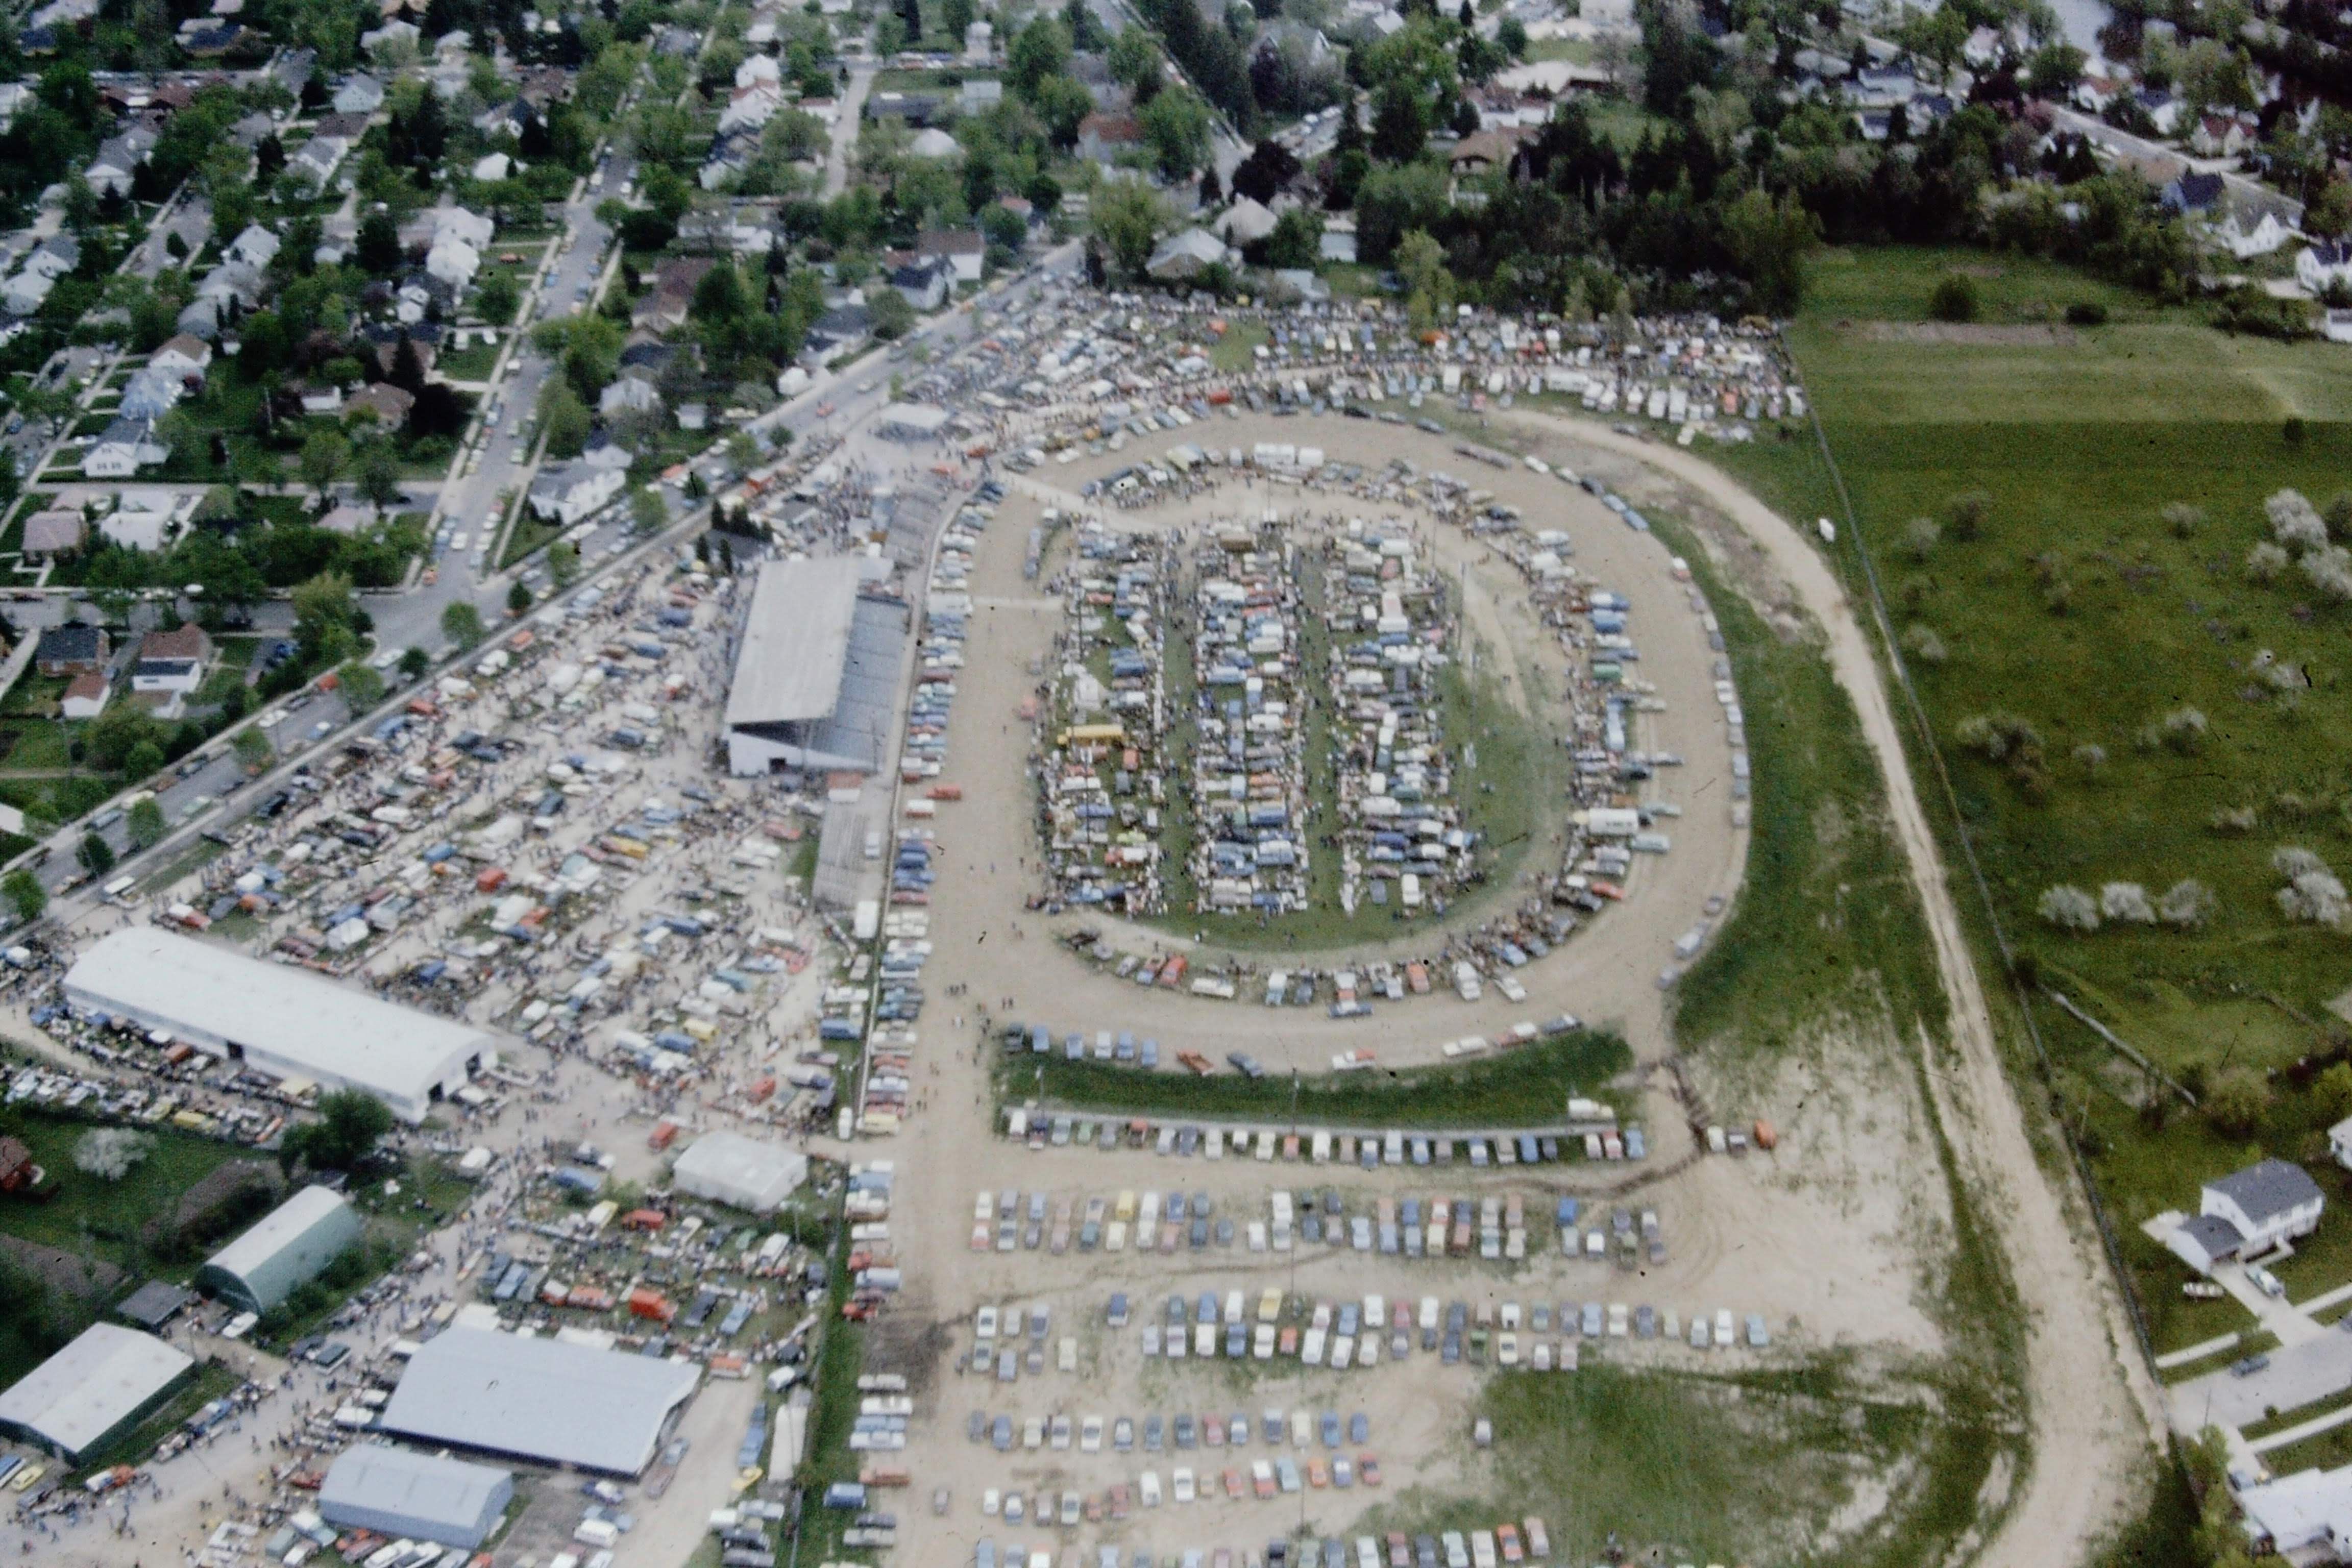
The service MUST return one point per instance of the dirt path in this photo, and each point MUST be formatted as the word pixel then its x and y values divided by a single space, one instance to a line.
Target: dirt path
pixel 2086 1450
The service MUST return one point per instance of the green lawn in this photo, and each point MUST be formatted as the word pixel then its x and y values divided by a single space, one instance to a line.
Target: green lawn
pixel 1234 351
pixel 2299 1414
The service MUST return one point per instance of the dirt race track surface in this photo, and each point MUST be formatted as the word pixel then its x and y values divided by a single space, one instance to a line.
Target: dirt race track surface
pixel 1855 1176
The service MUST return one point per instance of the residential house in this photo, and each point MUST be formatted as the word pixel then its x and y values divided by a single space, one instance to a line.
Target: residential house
pixel 630 393
pixel 57 531
pixel 2302 1517
pixel 2325 263
pixel 253 246
pixel 843 327
pixel 72 649
pixel 979 94
pixel 2249 1211
pixel 1485 153
pixel 2220 136
pixel 758 69
pixel 2193 193
pixel 545 85
pixel 111 173
pixel 174 662
pixel 184 355
pixel 327 399
pixel 979 43
pixel 916 108
pixel 961 248
pixel 729 158
pixel 506 118
pixel 85 697
pixel 348 519
pixel 150 393
pixel 2244 241
pixel 1103 137
pixel 1339 245
pixel 603 452
pixel 2336 326
pixel 2161 105
pixel 568 492
pixel 1188 254
pixel 493 166
pixel 453 263
pixel 24 294
pixel 359 94
pixel 143 520
pixel 292 67
pixel 1244 223
pixel 922 279
pixel 934 144
pixel 125 447
pixel 389 403
pixel 673 284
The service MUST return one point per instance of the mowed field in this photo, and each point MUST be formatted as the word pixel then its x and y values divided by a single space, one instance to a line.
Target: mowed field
pixel 2082 611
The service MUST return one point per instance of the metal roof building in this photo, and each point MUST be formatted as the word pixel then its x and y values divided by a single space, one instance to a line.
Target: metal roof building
pixel 100 1386
pixel 278 1019
pixel 401 1493
pixel 911 421
pixel 817 674
pixel 285 1251
pixel 543 1400
pixel 730 1168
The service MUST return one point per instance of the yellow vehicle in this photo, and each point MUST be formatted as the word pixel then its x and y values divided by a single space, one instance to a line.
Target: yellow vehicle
pixel 1126 1207
pixel 22 1482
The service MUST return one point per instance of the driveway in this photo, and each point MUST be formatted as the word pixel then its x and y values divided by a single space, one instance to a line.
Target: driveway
pixel 2297 1375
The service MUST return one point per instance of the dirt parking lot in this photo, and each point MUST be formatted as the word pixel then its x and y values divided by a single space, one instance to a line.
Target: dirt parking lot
pixel 1823 1238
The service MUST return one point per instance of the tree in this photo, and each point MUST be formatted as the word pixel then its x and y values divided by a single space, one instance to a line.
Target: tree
pixel 24 890
pixel 2237 1099
pixel 518 597
pixel 414 662
pixel 2069 909
pixel 350 1123
pixel 362 687
pixel 1128 218
pixel 109 1152
pixel 1039 53
pixel 565 418
pixel 253 748
pixel 1176 125
pixel 145 826
pixel 1954 299
pixel 143 759
pixel 958 16
pixel 378 247
pixel 563 564
pixel 1135 60
pixel 461 622
pixel 2329 214
pixel 891 314
pixel 96 858
pixel 325 456
pixel 1296 240
pixel 1512 34
pixel 379 473
pixel 1428 286
pixel 1399 121
pixel 324 618
pixel 1772 241
pixel 498 298
pixel 647 511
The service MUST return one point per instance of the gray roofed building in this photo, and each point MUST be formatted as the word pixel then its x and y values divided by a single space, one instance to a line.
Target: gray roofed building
pixel 285 1251
pixel 153 1304
pixel 815 673
pixel 95 1389
pixel 2204 1241
pixel 282 1020
pixel 400 1493
pixel 2269 1202
pixel 546 1400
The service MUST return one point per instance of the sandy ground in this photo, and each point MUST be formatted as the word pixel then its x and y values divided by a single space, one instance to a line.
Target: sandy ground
pixel 2085 1385
pixel 1605 974
pixel 1855 1176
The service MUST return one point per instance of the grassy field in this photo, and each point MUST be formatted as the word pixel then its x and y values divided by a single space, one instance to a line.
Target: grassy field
pixel 1526 1088
pixel 1673 1467
pixel 1236 350
pixel 2083 611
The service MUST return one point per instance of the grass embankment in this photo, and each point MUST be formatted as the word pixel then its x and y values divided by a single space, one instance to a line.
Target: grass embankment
pixel 1525 1087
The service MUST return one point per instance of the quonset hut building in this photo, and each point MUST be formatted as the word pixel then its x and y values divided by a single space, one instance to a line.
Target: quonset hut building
pixel 285 1251
pixel 277 1019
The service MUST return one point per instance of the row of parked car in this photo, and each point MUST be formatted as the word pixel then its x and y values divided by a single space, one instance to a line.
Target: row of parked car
pixel 1185 1431
pixel 1369 1151
pixel 1508 1542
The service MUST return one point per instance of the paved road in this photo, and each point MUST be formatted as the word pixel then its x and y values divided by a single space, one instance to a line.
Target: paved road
pixel 2297 1375
pixel 2156 155
pixel 844 128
